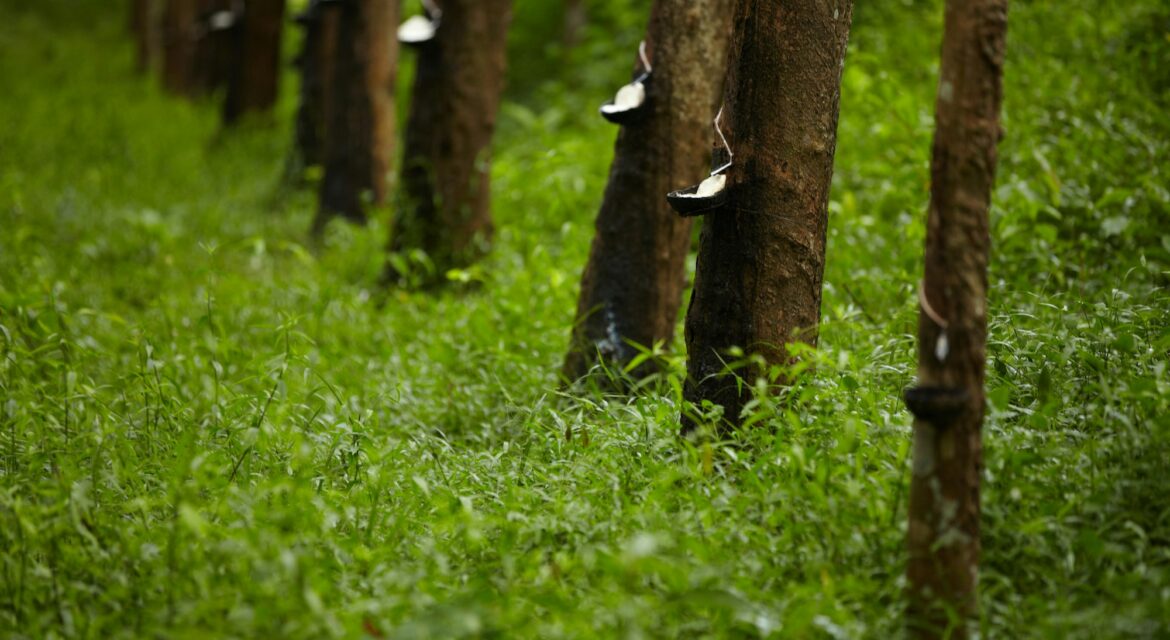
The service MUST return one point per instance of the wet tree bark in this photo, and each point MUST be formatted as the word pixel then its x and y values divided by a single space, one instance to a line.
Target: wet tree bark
pixel 179 24
pixel 632 286
pixel 359 130
pixel 255 80
pixel 943 536
pixel 447 160
pixel 315 63
pixel 762 255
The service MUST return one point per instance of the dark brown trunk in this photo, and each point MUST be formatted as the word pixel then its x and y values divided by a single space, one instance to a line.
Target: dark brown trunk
pixel 255 80
pixel 179 31
pixel 315 63
pixel 359 135
pixel 144 25
pixel 216 46
pixel 575 21
pixel 632 287
pixel 948 404
pixel 762 255
pixel 446 166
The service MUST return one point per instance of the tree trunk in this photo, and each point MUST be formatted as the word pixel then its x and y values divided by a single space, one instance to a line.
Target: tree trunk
pixel 632 287
pixel 216 48
pixel 196 58
pixel 446 166
pixel 315 63
pixel 575 21
pixel 943 535
pixel 179 24
pixel 762 254
pixel 359 138
pixel 144 25
pixel 256 75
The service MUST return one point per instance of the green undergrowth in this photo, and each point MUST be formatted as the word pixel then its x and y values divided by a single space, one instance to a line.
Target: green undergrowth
pixel 211 427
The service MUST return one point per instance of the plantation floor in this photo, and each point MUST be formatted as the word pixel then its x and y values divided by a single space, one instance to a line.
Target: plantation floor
pixel 210 427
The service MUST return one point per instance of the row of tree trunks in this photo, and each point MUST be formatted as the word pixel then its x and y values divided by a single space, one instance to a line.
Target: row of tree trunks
pixel 213 45
pixel 358 144
pixel 943 534
pixel 254 82
pixel 632 286
pixel 196 59
pixel 445 208
pixel 762 255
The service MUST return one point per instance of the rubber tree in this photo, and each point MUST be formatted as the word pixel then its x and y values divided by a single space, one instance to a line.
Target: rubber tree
pixel 315 64
pixel 359 129
pixel 255 80
pixel 179 29
pixel 762 254
pixel 633 284
pixel 217 44
pixel 943 534
pixel 576 17
pixel 145 27
pixel 196 56
pixel 446 191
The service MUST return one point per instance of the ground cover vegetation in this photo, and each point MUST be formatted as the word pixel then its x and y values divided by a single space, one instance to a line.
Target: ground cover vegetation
pixel 212 426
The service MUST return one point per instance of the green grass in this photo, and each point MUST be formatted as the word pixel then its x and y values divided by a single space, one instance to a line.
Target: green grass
pixel 211 428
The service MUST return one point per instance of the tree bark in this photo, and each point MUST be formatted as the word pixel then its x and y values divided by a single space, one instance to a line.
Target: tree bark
pixel 632 286
pixel 216 50
pixel 575 21
pixel 144 25
pixel 179 23
pixel 315 63
pixel 446 166
pixel 359 139
pixel 255 81
pixel 196 58
pixel 943 535
pixel 762 254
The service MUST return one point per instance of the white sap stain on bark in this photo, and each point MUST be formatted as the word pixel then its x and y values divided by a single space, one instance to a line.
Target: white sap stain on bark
pixel 611 345
pixel 924 445
pixel 946 91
